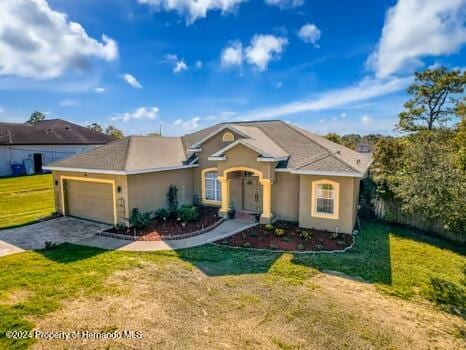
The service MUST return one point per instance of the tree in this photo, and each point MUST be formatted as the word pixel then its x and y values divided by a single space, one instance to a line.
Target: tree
pixel 333 137
pixel 430 183
pixel 114 132
pixel 435 95
pixel 351 140
pixel 35 117
pixel 95 127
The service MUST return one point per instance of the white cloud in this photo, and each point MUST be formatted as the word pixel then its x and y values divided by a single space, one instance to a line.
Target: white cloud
pixel 263 49
pixel 179 65
pixel 189 124
pixel 417 28
pixel 198 64
pixel 278 85
pixel 38 42
pixel 138 113
pixel 193 9
pixel 99 90
pixel 2 109
pixel 131 80
pixel 310 34
pixel 343 115
pixel 68 102
pixel 364 90
pixel 232 55
pixel 285 3
pixel 366 120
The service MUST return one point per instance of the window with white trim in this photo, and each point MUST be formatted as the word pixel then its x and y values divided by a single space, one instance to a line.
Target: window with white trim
pixel 325 199
pixel 213 189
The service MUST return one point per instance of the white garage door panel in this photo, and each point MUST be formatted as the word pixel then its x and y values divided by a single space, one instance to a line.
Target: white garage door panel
pixel 89 200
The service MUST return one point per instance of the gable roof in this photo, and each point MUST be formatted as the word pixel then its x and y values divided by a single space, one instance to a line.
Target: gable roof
pixel 133 154
pixel 50 132
pixel 297 151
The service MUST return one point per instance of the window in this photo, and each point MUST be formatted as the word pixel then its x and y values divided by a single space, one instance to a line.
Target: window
pixel 325 198
pixel 228 137
pixel 325 194
pixel 213 190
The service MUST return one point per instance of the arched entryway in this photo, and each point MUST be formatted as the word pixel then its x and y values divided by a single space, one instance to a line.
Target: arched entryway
pixel 255 191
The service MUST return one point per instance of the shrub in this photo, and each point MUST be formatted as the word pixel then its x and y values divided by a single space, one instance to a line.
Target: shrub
pixel 279 232
pixel 447 293
pixel 161 214
pixel 253 234
pixel 334 235
pixel 306 234
pixel 319 246
pixel 188 213
pixel 273 246
pixel 300 246
pixel 268 227
pixel 49 245
pixel 247 245
pixel 138 219
pixel 172 199
pixel 121 227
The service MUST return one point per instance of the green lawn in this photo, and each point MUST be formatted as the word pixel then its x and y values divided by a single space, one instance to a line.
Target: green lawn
pixel 25 199
pixel 274 299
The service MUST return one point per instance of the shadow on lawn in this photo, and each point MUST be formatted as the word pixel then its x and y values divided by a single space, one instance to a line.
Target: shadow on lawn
pixel 369 258
pixel 69 253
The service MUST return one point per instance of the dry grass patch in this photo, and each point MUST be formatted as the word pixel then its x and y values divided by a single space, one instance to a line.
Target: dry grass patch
pixel 179 307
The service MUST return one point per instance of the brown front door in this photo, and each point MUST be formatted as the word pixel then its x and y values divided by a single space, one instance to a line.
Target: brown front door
pixel 251 194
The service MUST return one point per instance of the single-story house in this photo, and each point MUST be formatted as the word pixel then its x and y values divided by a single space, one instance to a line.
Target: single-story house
pixel 271 168
pixel 35 145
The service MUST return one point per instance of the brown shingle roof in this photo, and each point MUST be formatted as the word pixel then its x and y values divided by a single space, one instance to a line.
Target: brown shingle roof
pixel 306 151
pixel 133 153
pixel 50 132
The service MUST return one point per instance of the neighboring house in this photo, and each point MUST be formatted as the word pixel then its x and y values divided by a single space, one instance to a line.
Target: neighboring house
pixel 35 145
pixel 364 148
pixel 267 167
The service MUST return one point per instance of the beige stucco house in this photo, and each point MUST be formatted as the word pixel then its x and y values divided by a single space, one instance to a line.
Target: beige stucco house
pixel 267 167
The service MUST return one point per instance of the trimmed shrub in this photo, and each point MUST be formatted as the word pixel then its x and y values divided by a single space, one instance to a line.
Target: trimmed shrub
pixel 188 213
pixel 306 234
pixel 161 214
pixel 268 227
pixel 138 219
pixel 279 232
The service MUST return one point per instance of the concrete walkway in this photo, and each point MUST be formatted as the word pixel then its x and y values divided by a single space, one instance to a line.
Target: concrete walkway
pixel 225 229
pixel 60 230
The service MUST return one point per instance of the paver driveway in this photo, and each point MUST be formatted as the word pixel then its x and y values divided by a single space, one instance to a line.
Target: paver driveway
pixel 60 230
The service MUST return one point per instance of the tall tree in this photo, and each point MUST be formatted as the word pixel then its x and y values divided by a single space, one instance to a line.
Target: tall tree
pixel 114 132
pixel 95 127
pixel 435 95
pixel 333 137
pixel 35 117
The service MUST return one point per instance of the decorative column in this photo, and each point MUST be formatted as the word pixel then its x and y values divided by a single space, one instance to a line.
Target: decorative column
pixel 223 212
pixel 266 217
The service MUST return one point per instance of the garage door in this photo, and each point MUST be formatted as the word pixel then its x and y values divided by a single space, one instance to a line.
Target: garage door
pixel 89 200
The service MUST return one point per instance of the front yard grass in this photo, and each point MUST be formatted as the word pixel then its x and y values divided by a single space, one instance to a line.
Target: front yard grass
pixel 25 199
pixel 216 297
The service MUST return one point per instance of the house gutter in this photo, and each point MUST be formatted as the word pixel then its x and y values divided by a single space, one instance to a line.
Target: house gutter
pixel 320 172
pixel 119 172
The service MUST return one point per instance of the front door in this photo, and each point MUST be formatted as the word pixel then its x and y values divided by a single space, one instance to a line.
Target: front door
pixel 251 194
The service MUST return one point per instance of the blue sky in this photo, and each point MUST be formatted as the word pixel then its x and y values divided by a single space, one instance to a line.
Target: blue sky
pixel 324 65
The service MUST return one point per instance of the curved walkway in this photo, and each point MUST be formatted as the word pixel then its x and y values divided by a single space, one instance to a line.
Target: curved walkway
pixel 71 230
pixel 225 229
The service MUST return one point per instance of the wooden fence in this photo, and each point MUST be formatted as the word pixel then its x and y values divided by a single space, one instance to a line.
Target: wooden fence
pixel 391 212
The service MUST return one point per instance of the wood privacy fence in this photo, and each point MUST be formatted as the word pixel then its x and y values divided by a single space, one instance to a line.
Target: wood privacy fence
pixel 390 211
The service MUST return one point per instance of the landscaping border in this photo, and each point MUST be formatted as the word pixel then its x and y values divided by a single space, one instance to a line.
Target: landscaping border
pixel 280 250
pixel 102 233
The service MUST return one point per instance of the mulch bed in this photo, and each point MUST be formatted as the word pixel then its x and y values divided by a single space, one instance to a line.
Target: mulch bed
pixel 170 229
pixel 292 240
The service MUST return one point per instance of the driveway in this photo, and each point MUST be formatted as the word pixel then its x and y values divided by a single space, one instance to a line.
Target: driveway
pixel 60 230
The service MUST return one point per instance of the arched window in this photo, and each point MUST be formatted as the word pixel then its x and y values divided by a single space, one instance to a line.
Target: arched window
pixel 325 199
pixel 212 187
pixel 228 137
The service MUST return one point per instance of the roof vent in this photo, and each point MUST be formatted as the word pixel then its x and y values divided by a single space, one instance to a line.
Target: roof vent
pixel 67 127
pixel 358 161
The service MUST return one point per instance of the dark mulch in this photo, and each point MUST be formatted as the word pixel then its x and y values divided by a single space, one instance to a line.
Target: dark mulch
pixel 158 230
pixel 259 237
